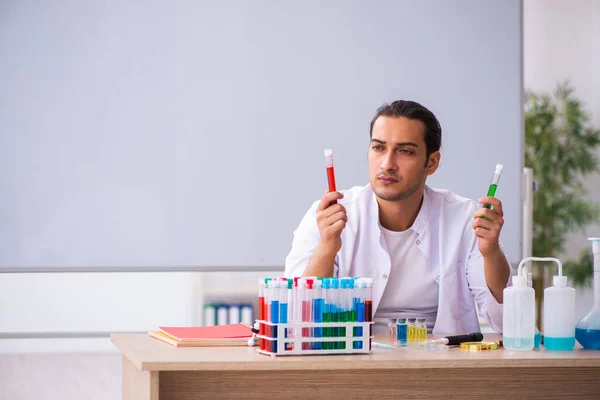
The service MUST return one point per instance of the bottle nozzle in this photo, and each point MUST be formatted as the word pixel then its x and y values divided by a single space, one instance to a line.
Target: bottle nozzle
pixel 523 261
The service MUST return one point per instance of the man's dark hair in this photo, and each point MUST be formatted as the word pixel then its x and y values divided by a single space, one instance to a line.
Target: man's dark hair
pixel 413 110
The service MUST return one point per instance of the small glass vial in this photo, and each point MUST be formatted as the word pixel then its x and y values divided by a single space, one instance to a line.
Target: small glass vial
pixel 421 330
pixel 402 332
pixel 392 330
pixel 411 330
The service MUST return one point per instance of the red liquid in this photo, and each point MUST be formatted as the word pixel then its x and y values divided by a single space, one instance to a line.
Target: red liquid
pixel 331 179
pixel 369 317
pixel 306 318
pixel 269 343
pixel 261 316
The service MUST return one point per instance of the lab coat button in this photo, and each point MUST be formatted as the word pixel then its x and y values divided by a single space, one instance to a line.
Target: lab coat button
pixel 385 276
pixel 418 241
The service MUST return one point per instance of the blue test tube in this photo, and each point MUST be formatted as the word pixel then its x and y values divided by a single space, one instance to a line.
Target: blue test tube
pixel 283 306
pixel 326 293
pixel 318 311
pixel 335 309
pixel 360 310
pixel 273 296
pixel 355 302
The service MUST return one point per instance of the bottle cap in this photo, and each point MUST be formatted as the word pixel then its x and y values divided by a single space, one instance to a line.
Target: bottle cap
pixel 335 283
pixel 519 281
pixel 559 281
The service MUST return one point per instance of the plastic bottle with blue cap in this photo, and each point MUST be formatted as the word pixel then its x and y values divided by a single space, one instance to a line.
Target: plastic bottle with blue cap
pixel 558 316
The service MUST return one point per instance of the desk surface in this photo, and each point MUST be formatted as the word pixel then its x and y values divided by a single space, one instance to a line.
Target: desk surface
pixel 148 354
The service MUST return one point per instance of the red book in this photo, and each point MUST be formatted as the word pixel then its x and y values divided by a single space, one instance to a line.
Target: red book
pixel 208 333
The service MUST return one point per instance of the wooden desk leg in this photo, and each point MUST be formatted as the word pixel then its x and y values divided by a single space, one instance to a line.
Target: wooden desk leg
pixel 139 385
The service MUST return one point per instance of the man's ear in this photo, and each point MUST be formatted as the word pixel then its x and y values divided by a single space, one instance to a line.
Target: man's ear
pixel 434 162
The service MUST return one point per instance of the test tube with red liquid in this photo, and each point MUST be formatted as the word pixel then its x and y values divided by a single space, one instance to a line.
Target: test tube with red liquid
pixel 330 170
pixel 369 306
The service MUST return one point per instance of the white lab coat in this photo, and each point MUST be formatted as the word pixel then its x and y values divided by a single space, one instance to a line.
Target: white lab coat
pixel 444 235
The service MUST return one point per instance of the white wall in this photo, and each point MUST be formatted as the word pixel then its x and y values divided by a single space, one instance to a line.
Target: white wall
pixel 138 135
pixel 484 71
pixel 562 40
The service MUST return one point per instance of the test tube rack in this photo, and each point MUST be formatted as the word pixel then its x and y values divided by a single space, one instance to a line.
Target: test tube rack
pixel 291 339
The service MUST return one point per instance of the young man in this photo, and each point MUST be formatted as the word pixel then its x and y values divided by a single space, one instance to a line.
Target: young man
pixel 430 252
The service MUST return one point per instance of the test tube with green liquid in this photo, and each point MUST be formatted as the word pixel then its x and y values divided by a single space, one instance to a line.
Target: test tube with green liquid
pixel 494 184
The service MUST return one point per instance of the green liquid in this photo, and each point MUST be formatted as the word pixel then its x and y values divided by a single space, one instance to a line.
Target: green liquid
pixel 491 193
pixel 343 318
pixel 327 331
pixel 335 317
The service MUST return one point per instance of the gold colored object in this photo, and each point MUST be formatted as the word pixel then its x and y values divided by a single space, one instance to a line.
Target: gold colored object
pixel 477 346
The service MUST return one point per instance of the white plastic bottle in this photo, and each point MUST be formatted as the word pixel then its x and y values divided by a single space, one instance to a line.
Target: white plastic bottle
pixel 537 338
pixel 518 316
pixel 559 313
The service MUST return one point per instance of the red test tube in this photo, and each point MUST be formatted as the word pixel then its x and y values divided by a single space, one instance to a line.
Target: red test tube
pixel 330 170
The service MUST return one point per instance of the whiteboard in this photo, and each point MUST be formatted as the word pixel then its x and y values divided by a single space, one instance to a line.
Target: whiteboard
pixel 191 133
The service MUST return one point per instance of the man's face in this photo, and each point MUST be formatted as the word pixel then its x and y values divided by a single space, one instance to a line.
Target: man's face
pixel 398 163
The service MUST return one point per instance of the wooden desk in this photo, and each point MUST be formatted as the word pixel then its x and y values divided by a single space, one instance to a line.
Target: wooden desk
pixel 155 370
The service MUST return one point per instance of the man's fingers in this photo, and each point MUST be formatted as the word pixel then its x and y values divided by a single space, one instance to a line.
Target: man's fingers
pixel 337 226
pixel 329 211
pixel 485 213
pixel 341 215
pixel 328 199
pixel 483 233
pixel 482 223
pixel 497 204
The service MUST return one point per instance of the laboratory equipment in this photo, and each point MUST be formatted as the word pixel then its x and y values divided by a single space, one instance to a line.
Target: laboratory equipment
pixel 402 331
pixel 411 330
pixel 587 330
pixel 537 339
pixel 393 330
pixel 559 312
pixel 518 314
pixel 421 329
pixel 478 346
pixel 330 170
pixel 494 184
pixel 458 339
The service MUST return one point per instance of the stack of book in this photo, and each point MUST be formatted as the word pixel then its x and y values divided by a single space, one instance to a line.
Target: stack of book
pixel 217 336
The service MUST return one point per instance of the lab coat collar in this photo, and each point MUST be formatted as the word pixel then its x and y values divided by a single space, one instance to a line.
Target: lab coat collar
pixel 382 261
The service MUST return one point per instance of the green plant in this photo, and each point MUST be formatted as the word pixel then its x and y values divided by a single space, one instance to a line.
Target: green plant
pixel 561 148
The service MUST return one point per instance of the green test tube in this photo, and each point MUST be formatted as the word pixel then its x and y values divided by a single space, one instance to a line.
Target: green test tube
pixel 494 184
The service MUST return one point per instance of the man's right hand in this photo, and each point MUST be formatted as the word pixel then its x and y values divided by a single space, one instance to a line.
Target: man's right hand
pixel 331 220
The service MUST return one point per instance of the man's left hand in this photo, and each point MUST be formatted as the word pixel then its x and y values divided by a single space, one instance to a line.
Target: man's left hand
pixel 487 225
